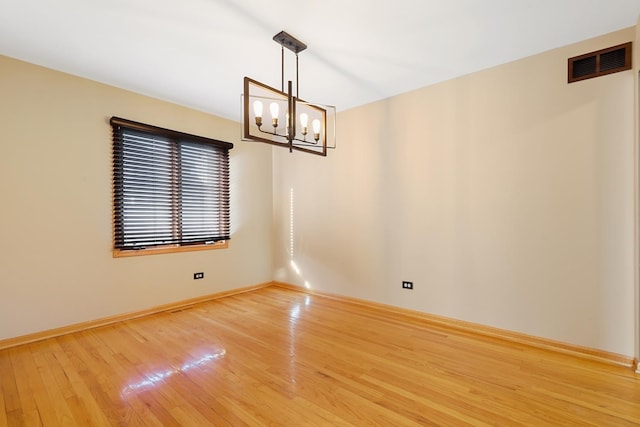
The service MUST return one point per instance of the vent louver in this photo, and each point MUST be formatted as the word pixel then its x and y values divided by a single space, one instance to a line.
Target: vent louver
pixel 600 63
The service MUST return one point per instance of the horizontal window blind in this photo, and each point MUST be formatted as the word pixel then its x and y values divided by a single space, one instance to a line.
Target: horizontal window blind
pixel 169 188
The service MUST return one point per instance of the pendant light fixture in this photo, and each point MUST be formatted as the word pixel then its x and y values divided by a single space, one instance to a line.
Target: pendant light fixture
pixel 290 115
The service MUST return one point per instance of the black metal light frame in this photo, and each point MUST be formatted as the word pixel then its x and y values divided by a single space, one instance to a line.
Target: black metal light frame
pixel 254 90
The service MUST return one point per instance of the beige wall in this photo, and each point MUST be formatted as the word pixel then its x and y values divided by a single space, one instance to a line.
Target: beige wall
pixel 507 196
pixel 56 266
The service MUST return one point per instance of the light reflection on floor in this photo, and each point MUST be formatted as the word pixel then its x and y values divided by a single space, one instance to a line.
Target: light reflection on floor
pixel 156 378
pixel 152 379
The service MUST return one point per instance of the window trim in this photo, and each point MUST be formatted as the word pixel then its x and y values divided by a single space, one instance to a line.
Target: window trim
pixel 168 249
pixel 173 247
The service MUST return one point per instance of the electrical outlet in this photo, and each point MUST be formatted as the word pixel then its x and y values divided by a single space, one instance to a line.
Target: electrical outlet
pixel 407 285
pixel 198 276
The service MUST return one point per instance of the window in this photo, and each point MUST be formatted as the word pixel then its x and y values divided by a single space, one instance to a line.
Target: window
pixel 170 189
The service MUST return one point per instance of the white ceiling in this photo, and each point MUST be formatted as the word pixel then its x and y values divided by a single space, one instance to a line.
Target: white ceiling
pixel 196 52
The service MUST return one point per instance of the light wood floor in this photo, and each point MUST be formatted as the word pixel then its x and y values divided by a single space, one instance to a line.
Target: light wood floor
pixel 280 357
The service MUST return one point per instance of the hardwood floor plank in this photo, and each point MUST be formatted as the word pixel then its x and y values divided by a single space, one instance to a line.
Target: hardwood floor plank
pixel 47 369
pixel 3 414
pixel 276 356
pixel 8 385
pixel 29 388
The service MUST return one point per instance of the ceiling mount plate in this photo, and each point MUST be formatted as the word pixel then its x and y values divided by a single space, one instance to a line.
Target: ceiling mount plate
pixel 290 42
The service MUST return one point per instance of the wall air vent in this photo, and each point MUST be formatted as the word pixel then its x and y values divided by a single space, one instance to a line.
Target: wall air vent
pixel 600 63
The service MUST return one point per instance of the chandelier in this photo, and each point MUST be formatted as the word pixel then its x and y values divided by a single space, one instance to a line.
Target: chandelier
pixel 293 122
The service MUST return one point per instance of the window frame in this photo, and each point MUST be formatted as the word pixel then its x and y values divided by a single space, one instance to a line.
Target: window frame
pixel 176 138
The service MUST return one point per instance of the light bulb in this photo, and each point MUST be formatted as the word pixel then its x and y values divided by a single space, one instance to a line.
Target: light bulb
pixel 257 110
pixel 304 121
pixel 274 107
pixel 316 129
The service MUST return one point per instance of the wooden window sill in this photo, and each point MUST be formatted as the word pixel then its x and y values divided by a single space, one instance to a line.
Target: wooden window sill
pixel 118 253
